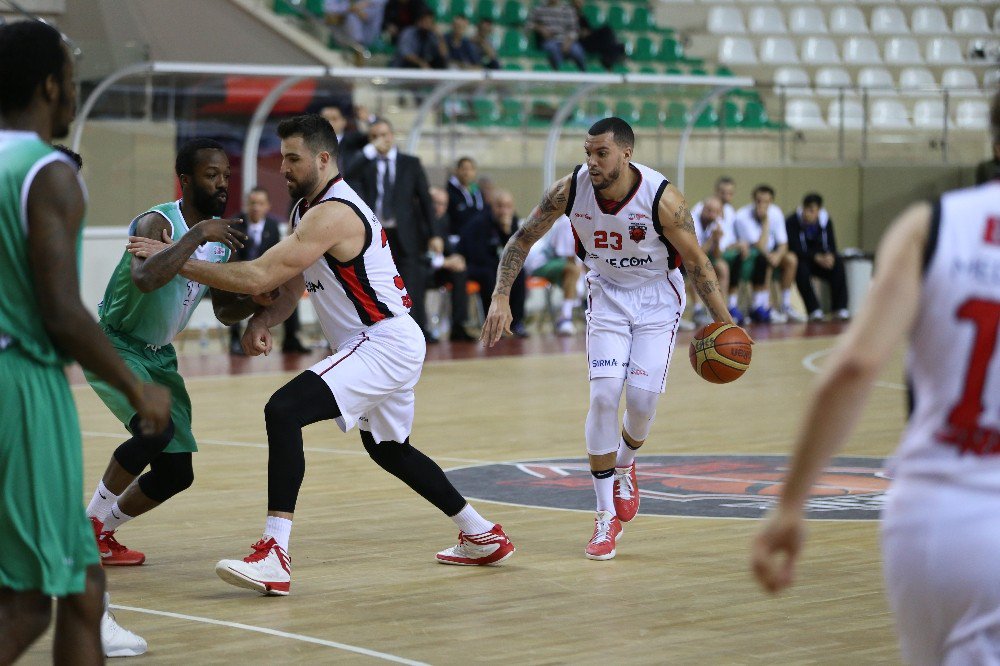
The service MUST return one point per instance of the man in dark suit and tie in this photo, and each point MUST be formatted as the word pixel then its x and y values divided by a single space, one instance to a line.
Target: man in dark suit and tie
pixel 394 185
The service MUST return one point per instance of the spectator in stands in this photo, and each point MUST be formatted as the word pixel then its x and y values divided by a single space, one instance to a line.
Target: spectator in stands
pixel 599 40
pixel 394 185
pixel 421 46
pixel 446 263
pixel 715 233
pixel 400 15
pixel 362 19
pixel 460 49
pixel 465 197
pixel 557 32
pixel 761 225
pixel 482 44
pixel 554 259
pixel 725 189
pixel 349 142
pixel 481 240
pixel 810 237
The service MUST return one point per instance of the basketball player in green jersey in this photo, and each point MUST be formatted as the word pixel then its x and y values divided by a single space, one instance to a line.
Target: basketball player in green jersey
pixel 48 547
pixel 146 304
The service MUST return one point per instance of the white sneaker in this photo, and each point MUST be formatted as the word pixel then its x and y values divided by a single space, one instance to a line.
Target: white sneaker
pixel 565 327
pixel 794 315
pixel 843 315
pixel 116 640
pixel 816 315
pixel 778 317
pixel 268 569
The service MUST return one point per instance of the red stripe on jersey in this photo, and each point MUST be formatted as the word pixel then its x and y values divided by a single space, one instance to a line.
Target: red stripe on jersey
pixel 353 349
pixel 349 278
pixel 581 251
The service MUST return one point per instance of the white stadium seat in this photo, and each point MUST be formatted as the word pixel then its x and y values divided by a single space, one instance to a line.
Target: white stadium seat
pixel 944 51
pixel 831 80
pixel 861 51
pixel 902 51
pixel 959 80
pixel 929 114
pixel 803 114
pixel 725 21
pixel 847 20
pixel 929 21
pixel 888 21
pixel 916 80
pixel 792 81
pixel 877 80
pixel 778 51
pixel 972 114
pixel 970 21
pixel 766 21
pixel 889 114
pixel 807 21
pixel 820 51
pixel 737 51
pixel 853 114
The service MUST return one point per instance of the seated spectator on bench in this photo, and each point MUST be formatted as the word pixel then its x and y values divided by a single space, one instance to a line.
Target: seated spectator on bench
pixel 420 46
pixel 447 265
pixel 400 15
pixel 715 233
pixel 361 19
pixel 599 40
pixel 811 238
pixel 557 31
pixel 482 43
pixel 555 260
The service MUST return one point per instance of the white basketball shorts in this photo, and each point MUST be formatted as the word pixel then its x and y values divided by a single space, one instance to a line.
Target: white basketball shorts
pixel 631 333
pixel 372 376
pixel 940 544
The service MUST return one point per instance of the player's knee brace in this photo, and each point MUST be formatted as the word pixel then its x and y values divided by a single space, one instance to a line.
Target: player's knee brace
pixel 640 408
pixel 139 451
pixel 416 470
pixel 304 400
pixel 602 417
pixel 170 473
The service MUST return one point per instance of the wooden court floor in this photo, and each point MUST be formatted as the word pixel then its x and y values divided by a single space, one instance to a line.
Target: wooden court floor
pixel 364 575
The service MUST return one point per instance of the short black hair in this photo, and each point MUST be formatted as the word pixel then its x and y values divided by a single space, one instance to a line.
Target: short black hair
pixel 462 160
pixel 381 120
pixel 763 189
pixel 314 130
pixel 812 199
pixel 624 136
pixel 259 190
pixel 187 156
pixel 30 52
pixel 724 180
pixel 77 160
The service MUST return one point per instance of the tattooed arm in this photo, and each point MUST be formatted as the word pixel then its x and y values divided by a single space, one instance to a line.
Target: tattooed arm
pixel 678 228
pixel 533 227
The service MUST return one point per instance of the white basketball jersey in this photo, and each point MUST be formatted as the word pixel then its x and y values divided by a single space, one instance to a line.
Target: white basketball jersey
pixel 954 357
pixel 624 245
pixel 349 297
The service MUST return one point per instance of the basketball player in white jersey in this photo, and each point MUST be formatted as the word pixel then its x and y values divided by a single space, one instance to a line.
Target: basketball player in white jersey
pixel 338 252
pixel 632 228
pixel 938 283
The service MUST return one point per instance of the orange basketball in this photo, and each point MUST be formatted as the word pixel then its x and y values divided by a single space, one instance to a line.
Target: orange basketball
pixel 720 353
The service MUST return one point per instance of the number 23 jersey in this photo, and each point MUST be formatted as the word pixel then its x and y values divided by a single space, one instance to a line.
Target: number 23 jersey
pixel 623 242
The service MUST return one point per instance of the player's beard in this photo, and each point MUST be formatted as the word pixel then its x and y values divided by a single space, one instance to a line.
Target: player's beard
pixel 299 189
pixel 208 202
pixel 65 111
pixel 609 180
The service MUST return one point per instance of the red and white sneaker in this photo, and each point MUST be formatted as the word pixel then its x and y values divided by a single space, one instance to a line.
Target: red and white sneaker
pixel 114 554
pixel 607 530
pixel 268 569
pixel 489 549
pixel 626 493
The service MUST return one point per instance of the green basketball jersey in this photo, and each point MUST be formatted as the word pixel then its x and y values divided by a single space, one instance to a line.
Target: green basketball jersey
pixel 157 317
pixel 22 156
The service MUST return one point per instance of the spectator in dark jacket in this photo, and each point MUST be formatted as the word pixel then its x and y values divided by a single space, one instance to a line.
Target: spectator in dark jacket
pixel 465 198
pixel 421 46
pixel 811 238
pixel 482 44
pixel 399 15
pixel 448 266
pixel 599 40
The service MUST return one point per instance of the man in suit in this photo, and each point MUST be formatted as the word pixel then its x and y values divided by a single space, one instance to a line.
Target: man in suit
pixel 395 186
pixel 349 142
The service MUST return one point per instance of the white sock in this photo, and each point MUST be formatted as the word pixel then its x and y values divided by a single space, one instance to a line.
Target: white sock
pixel 605 491
pixel 470 522
pixel 626 454
pixel 100 505
pixel 567 309
pixel 116 518
pixel 279 529
pixel 760 299
pixel 786 299
pixel 733 300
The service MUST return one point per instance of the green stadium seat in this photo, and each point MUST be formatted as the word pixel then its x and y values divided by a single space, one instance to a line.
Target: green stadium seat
pixel 596 67
pixel 597 108
pixel 731 114
pixel 511 66
pixel 568 66
pixel 642 20
pixel 708 118
pixel 541 113
pixel 644 50
pixel 316 8
pixel 543 66
pixel 512 113
pixel 594 14
pixel 649 115
pixel 284 8
pixel 626 111
pixel 677 115
pixel 442 10
pixel 618 18
pixel 620 68
pixel 514 13
pixel 460 8
pixel 755 116
pixel 488 10
pixel 671 50
pixel 722 70
pixel 514 44
pixel 485 111
pixel 673 70
pixel 649 69
pixel 697 71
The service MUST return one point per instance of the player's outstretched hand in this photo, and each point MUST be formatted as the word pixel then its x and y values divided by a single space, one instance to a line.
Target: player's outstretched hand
pixel 256 339
pixel 153 406
pixel 776 550
pixel 498 321
pixel 144 248
pixel 222 231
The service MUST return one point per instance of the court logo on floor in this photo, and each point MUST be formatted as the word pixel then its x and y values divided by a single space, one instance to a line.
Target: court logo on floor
pixel 706 486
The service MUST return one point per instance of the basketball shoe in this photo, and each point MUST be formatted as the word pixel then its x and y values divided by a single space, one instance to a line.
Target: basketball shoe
pixel 268 569
pixel 607 530
pixel 114 554
pixel 626 493
pixel 116 640
pixel 486 549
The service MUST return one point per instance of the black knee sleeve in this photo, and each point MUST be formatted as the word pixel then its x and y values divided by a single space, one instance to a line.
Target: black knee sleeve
pixel 416 470
pixel 760 267
pixel 302 401
pixel 169 474
pixel 138 452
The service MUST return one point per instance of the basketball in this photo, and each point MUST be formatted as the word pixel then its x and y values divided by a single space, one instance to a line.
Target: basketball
pixel 720 353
